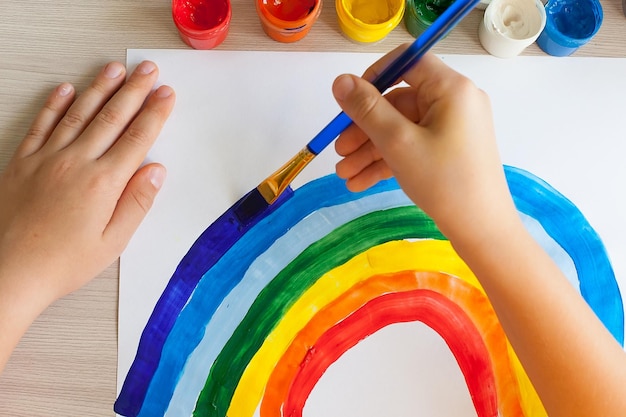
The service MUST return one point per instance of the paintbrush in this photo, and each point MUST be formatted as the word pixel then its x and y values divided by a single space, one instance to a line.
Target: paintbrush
pixel 268 191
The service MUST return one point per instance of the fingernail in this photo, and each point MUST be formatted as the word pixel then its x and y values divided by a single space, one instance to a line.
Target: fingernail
pixel 157 177
pixel 146 67
pixel 344 84
pixel 113 70
pixel 65 89
pixel 163 91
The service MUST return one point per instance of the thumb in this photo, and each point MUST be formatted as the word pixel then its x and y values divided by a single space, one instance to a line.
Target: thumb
pixel 369 110
pixel 135 201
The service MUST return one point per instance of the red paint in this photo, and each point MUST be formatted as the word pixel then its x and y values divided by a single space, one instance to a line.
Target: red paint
pixel 202 14
pixel 431 308
pixel 467 297
pixel 202 24
pixel 290 9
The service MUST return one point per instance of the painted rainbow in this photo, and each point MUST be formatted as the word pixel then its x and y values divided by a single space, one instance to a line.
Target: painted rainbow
pixel 253 323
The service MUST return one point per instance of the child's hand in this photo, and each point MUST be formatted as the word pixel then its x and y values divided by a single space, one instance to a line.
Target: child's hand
pixel 74 192
pixel 435 136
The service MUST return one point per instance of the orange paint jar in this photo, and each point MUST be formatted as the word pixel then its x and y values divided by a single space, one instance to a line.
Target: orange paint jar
pixel 288 20
pixel 202 24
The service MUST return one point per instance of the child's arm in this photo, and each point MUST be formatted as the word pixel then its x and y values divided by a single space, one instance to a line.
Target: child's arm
pixel 437 138
pixel 74 192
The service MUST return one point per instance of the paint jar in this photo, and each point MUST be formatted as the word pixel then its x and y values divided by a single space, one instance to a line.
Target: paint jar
pixel 368 20
pixel 510 26
pixel 288 20
pixel 420 14
pixel 202 24
pixel 570 24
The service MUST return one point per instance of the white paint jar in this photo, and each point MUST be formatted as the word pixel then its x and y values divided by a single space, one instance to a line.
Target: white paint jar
pixel 510 26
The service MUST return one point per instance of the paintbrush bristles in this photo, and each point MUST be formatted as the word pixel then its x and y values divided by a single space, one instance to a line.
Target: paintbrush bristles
pixel 276 183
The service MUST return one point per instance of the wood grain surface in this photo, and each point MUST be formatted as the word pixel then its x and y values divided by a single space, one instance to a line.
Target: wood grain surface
pixel 66 364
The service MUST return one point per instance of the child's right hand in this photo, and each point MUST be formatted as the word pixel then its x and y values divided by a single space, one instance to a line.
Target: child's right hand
pixel 435 136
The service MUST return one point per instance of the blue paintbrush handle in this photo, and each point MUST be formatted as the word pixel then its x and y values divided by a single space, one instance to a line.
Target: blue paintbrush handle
pixel 435 32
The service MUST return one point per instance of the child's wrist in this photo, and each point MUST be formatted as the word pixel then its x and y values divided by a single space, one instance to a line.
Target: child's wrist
pixel 16 315
pixel 20 302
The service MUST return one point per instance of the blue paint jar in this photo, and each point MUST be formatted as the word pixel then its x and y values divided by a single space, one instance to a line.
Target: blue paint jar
pixel 570 24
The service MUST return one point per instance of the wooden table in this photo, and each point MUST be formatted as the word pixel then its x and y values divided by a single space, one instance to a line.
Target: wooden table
pixel 66 364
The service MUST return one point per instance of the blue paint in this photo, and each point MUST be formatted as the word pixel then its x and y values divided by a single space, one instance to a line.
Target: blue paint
pixel 566 224
pixel 221 258
pixel 570 24
pixel 227 277
pixel 209 248
pixel 219 327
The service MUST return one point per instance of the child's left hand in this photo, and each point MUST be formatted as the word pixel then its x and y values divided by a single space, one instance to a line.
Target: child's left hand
pixel 74 193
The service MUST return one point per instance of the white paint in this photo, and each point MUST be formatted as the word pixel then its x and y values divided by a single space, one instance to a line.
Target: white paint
pixel 509 26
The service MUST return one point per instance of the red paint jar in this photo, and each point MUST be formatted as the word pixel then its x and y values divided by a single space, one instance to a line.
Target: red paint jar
pixel 202 24
pixel 288 20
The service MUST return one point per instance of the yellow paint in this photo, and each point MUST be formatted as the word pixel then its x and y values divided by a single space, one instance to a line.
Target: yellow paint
pixel 387 258
pixel 372 12
pixel 469 298
pixel 530 399
pixel 422 255
pixel 369 21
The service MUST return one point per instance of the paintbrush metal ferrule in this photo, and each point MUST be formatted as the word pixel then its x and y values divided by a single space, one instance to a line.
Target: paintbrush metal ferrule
pixel 276 183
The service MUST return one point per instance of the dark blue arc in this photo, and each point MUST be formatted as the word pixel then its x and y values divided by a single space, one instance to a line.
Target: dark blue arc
pixel 220 236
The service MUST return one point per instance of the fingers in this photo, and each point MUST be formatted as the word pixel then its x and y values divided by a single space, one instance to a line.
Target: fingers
pixel 350 140
pixel 134 203
pixel 389 132
pixel 360 177
pixel 362 165
pixel 406 101
pixel 430 77
pixel 358 160
pixel 369 110
pixel 403 99
pixel 86 106
pixel 428 70
pixel 370 144
pixel 53 110
pixel 130 149
pixel 116 115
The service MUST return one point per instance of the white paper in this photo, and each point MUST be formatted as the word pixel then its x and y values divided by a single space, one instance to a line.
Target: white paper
pixel 240 115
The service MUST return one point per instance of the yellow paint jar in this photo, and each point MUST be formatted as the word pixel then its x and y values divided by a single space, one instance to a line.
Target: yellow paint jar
pixel 368 20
